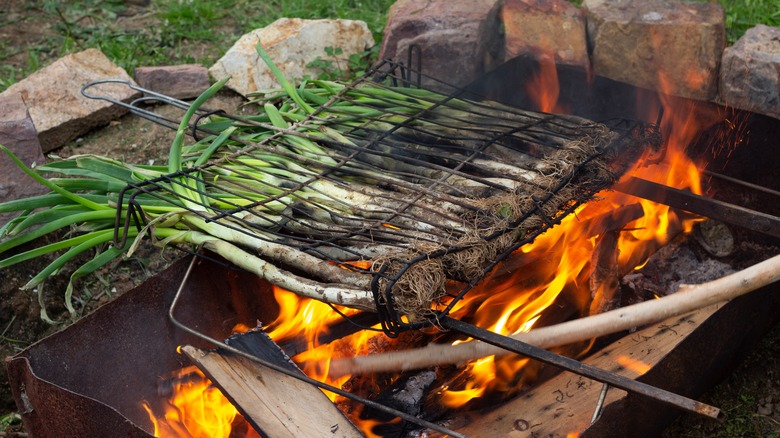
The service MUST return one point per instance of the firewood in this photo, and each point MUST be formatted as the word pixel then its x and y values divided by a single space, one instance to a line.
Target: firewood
pixel 604 281
pixel 605 274
pixel 687 299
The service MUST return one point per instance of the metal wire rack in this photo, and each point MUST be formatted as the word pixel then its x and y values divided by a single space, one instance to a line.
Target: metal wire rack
pixel 437 179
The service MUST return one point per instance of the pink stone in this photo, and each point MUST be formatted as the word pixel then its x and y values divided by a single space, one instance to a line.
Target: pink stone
pixel 672 47
pixel 180 81
pixel 459 39
pixel 18 134
pixel 545 28
pixel 58 109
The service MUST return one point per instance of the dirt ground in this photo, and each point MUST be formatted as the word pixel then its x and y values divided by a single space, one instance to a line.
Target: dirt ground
pixel 751 394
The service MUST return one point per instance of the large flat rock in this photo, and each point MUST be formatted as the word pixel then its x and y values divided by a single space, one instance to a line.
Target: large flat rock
pixel 292 44
pixel 545 28
pixel 185 81
pixel 750 72
pixel 672 47
pixel 459 39
pixel 53 96
pixel 18 134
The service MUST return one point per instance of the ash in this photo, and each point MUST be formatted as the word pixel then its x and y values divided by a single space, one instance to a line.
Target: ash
pixel 671 266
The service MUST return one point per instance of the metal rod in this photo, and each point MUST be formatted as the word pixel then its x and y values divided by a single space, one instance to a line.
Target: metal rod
pixel 580 368
pixel 301 377
pixel 741 183
pixel 697 204
pixel 600 403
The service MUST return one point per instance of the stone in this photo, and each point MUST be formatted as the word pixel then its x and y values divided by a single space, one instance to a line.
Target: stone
pixel 58 109
pixel 292 44
pixel 186 81
pixel 459 39
pixel 18 134
pixel 672 47
pixel 545 28
pixel 750 72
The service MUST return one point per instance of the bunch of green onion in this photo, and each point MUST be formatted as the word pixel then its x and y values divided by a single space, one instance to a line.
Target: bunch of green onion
pixel 269 167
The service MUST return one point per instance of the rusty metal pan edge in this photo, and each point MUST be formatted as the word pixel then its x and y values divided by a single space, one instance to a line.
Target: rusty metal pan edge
pixel 45 419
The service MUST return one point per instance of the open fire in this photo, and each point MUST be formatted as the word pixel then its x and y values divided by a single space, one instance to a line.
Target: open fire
pixel 511 299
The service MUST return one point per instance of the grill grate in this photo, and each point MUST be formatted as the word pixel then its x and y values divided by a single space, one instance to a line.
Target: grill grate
pixel 419 194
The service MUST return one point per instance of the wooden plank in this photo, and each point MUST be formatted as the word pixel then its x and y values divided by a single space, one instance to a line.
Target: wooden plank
pixel 564 405
pixel 276 404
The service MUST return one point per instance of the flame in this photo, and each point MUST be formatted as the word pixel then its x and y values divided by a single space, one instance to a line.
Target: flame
pixel 307 318
pixel 196 408
pixel 636 366
pixel 558 260
pixel 543 88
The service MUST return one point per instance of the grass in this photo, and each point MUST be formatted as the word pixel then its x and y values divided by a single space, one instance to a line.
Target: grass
pixel 739 397
pixel 741 15
pixel 187 31
pixel 169 31
pixel 9 420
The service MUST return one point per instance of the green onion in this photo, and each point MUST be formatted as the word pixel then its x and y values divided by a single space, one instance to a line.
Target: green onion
pixel 290 171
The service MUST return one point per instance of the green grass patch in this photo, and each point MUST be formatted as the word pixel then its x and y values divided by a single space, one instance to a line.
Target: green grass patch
pixel 741 15
pixel 179 31
pixel 175 31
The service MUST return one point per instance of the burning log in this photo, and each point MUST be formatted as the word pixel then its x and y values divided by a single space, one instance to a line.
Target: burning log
pixel 275 404
pixel 605 274
pixel 687 299
pixel 604 281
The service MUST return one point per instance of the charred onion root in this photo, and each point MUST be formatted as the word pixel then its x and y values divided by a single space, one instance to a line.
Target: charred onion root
pixel 506 219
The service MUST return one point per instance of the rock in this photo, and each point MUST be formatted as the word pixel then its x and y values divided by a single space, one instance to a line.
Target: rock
pixel 459 39
pixel 545 27
pixel 186 81
pixel 673 47
pixel 750 72
pixel 53 96
pixel 18 134
pixel 292 43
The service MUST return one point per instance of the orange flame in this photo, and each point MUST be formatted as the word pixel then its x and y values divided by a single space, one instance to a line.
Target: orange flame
pixel 543 88
pixel 636 366
pixel 196 409
pixel 558 260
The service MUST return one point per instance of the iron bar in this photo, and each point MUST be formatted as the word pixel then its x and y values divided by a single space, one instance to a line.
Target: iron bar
pixel 580 368
pixel 736 181
pixel 703 206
